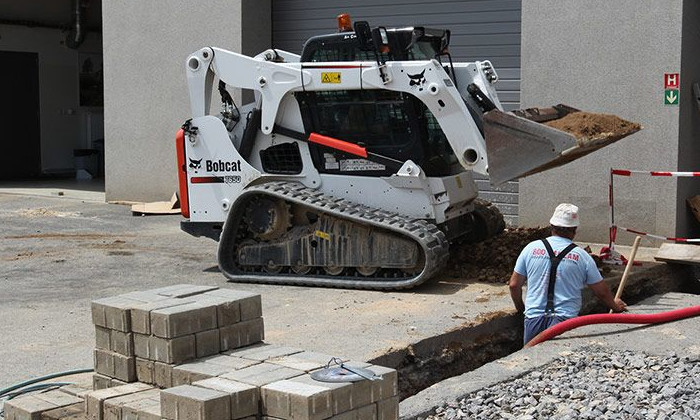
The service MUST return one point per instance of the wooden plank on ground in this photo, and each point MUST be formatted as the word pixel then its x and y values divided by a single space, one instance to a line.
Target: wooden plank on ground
pixel 679 253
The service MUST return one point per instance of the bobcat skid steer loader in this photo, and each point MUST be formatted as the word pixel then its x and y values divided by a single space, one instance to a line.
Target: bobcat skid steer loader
pixel 353 165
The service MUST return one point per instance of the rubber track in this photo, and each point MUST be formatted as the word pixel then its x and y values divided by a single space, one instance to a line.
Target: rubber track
pixel 432 240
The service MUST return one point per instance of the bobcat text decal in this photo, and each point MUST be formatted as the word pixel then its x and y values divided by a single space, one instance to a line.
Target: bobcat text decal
pixel 222 166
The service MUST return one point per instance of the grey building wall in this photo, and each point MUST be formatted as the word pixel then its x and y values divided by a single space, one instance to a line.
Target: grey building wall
pixel 610 57
pixel 480 31
pixel 146 97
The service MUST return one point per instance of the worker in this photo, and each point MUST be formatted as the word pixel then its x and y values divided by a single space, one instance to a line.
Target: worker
pixel 555 295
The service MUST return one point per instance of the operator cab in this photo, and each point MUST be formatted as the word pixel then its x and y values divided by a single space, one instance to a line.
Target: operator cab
pixel 390 123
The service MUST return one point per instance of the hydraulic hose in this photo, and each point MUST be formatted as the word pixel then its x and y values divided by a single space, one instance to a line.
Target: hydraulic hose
pixel 580 321
pixel 42 379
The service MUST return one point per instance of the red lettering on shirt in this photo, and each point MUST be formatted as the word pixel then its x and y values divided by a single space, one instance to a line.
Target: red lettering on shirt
pixel 541 252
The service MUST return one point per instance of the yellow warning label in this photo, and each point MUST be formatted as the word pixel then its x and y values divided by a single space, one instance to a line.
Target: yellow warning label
pixel 323 235
pixel 332 77
pixel 459 182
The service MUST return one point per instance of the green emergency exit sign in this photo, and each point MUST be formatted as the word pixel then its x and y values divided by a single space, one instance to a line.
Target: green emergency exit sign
pixel 671 97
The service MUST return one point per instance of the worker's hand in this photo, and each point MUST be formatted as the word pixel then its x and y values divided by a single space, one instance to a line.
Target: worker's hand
pixel 620 306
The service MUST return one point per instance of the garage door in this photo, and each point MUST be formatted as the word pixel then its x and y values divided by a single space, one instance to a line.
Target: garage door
pixel 481 30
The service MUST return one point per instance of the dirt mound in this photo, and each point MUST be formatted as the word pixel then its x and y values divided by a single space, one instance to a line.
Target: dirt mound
pixel 588 126
pixel 492 260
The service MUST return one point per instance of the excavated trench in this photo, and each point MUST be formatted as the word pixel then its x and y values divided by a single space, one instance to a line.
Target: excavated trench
pixel 498 334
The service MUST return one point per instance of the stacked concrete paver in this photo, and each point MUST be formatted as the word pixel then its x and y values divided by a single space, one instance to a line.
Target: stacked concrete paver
pixel 143 335
pixel 190 352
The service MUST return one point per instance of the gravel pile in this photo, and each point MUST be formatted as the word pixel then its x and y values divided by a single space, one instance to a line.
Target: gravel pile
pixel 591 384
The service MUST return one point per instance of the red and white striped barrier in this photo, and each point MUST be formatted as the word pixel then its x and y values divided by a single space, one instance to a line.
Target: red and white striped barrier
pixel 627 172
pixel 663 238
pixel 614 257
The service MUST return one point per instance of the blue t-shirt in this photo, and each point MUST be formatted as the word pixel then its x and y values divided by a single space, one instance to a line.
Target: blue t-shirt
pixel 575 271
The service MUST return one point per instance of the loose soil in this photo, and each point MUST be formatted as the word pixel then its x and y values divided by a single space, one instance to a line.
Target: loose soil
pixel 492 260
pixel 592 132
pixel 588 126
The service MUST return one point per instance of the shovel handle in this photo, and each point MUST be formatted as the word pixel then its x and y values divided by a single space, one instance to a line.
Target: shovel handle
pixel 630 262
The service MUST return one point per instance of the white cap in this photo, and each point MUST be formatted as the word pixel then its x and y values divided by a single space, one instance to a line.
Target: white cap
pixel 565 215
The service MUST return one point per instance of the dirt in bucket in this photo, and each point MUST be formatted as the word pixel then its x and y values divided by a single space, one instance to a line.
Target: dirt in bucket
pixel 589 126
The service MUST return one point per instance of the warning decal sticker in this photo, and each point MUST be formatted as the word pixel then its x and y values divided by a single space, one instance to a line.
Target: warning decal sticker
pixel 330 77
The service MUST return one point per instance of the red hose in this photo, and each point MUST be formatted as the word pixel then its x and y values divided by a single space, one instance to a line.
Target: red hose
pixel 580 321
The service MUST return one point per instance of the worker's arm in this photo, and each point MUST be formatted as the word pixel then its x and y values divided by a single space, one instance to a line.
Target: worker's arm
pixel 516 290
pixel 602 291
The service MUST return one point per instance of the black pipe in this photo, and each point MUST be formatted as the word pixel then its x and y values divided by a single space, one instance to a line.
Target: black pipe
pixel 76 34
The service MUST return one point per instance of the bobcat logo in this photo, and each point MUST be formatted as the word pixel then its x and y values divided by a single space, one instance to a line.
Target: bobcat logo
pixel 417 79
pixel 195 164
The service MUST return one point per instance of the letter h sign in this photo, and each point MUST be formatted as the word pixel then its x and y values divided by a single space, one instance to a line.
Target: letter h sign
pixel 671 80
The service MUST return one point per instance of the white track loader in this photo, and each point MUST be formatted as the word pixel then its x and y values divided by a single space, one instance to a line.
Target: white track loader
pixel 353 165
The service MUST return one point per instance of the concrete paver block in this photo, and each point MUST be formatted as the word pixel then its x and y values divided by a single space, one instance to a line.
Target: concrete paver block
pixel 362 393
pixel 196 371
pixel 148 409
pixel 177 321
pixel 147 296
pixel 174 350
pixel 295 400
pixel 141 314
pixel 388 409
pixel 59 398
pixel 70 412
pixel 242 334
pixel 145 371
pixel 227 311
pixel 115 365
pixel 341 392
pixel 100 381
pixel 386 387
pixel 231 363
pixel 102 338
pixel 305 360
pixel 163 374
pixel 112 407
pixel 263 351
pixel 207 343
pixel 262 374
pixel 244 398
pixel 250 303
pixel 79 390
pixel 103 362
pixel 113 312
pixel 183 290
pixel 368 412
pixel 187 402
pixel 94 401
pixel 121 342
pixel 28 407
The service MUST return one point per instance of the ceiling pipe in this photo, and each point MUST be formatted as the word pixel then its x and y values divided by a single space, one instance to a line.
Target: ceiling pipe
pixel 76 34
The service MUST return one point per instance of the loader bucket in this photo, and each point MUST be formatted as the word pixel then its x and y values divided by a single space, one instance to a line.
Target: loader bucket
pixel 520 143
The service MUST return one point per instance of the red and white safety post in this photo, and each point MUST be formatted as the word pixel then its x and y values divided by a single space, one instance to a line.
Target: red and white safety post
pixel 614 257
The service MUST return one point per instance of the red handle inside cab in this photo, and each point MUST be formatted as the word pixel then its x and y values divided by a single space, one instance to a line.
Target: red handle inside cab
pixel 337 144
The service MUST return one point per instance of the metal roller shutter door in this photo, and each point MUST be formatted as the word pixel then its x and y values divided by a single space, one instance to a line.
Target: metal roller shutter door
pixel 481 30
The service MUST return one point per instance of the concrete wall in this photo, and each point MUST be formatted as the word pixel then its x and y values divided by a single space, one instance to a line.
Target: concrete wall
pixel 610 57
pixel 146 97
pixel 64 124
